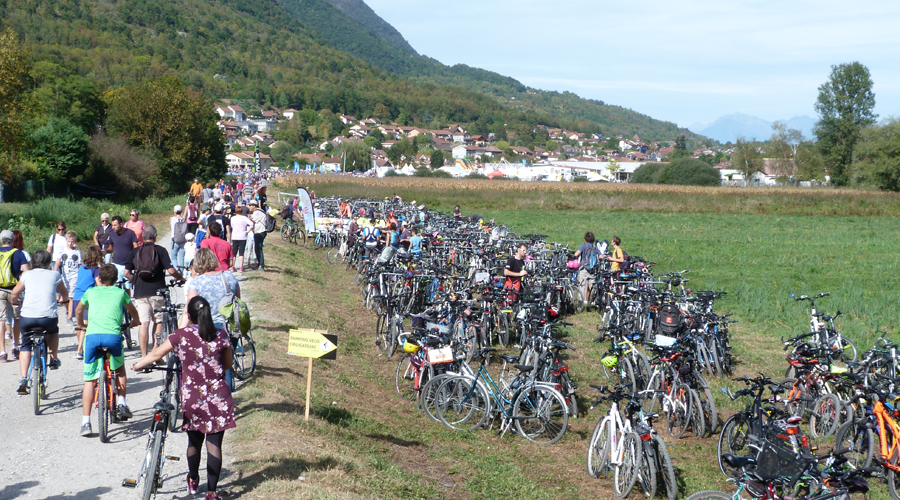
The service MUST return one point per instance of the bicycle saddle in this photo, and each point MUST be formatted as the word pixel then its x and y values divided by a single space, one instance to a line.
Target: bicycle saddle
pixel 736 461
pixel 524 368
pixel 163 406
pixel 509 359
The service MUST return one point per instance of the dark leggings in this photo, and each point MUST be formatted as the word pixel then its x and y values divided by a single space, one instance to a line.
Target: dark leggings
pixel 213 456
pixel 258 242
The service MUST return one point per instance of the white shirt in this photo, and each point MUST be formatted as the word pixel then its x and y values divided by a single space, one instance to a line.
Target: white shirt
pixel 259 220
pixel 58 242
pixel 240 226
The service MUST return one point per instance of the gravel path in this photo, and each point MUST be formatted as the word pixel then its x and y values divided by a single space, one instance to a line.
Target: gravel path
pixel 44 456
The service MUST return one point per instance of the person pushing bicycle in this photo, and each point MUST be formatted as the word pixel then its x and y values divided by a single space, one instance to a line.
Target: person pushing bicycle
pixel 104 320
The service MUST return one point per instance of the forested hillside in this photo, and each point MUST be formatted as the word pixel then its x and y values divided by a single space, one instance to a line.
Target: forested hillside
pixel 276 52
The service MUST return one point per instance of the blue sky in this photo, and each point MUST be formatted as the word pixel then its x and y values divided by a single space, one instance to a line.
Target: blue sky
pixel 687 62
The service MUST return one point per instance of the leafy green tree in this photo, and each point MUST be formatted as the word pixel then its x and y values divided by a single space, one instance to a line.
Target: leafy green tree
pixel 876 158
pixel 502 145
pixel 394 154
pixel 73 97
pixel 680 142
pixel 358 155
pixel 282 152
pixel 678 154
pixel 60 150
pixel 294 132
pixel 690 172
pixel 782 149
pixel 382 112
pixel 437 159
pixel 373 142
pixel 648 173
pixel 174 122
pixel 15 101
pixel 845 106
pixel 746 159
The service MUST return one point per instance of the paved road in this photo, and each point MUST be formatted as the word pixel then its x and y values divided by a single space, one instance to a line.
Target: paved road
pixel 44 456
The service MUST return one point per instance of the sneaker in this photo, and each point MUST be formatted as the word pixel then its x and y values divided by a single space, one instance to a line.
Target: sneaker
pixel 79 356
pixel 54 364
pixel 193 485
pixel 86 430
pixel 211 495
pixel 71 322
pixel 23 386
pixel 124 412
pixel 15 353
pixel 3 357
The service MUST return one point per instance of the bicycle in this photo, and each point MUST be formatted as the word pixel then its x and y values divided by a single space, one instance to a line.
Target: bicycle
pixel 151 467
pixel 243 349
pixel 106 396
pixel 37 367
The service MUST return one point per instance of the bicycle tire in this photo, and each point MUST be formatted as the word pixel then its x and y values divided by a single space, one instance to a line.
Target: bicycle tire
pixel 849 353
pixel 393 338
pixel 465 407
pixel 678 416
pixel 665 469
pixel 103 407
pixel 698 421
pixel 286 233
pixel 502 329
pixel 647 472
pixel 546 415
pixel 428 400
pixel 599 450
pixel 37 386
pixel 154 468
pixel 709 411
pixel 173 395
pixel 710 495
pixel 826 416
pixel 300 237
pixel 244 357
pixel 405 378
pixel 860 440
pixel 791 404
pixel 734 439
pixel 714 348
pixel 641 371
pixel 626 473
pixel 333 256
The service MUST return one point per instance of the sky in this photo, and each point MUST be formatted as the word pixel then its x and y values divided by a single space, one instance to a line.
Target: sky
pixel 688 62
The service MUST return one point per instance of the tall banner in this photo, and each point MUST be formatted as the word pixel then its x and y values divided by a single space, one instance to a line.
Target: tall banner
pixel 256 158
pixel 306 208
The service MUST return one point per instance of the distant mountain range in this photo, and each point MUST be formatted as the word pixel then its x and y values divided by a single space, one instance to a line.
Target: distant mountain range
pixel 729 127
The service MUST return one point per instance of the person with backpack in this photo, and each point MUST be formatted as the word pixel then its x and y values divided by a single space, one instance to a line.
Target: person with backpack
pixel 192 215
pixel 12 264
pixel 241 228
pixel 371 235
pixel 146 268
pixel 617 258
pixel 179 227
pixel 588 259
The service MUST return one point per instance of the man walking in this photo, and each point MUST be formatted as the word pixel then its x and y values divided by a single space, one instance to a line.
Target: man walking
pixel 146 268
pixel 121 242
pixel 101 236
pixel 259 232
pixel 12 263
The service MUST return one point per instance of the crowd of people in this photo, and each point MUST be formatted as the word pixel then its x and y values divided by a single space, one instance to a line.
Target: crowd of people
pixel 123 271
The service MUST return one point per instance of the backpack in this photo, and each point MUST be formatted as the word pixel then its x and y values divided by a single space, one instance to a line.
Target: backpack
pixel 7 278
pixel 592 258
pixel 178 231
pixel 628 264
pixel 193 213
pixel 235 310
pixel 371 237
pixel 270 222
pixel 146 263
pixel 285 211
pixel 670 319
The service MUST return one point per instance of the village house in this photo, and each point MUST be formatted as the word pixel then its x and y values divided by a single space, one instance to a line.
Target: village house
pixel 360 130
pixel 348 119
pixel 289 113
pixel 246 159
pixel 233 112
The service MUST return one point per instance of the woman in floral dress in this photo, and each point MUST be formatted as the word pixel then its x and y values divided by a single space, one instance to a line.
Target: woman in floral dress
pixel 205 352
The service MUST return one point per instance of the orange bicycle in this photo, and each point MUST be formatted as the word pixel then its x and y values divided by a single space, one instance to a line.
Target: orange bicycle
pixel 105 397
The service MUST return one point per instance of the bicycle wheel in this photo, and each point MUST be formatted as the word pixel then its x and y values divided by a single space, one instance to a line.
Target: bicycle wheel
pixel 541 414
pixel 300 237
pixel 286 233
pixel 680 411
pixel 502 329
pixel 860 440
pixel 464 404
pixel 849 353
pixel 826 416
pixel 173 394
pixel 37 386
pixel 103 407
pixel 698 421
pixel 710 495
pixel 428 400
pixel 710 414
pixel 664 468
pixel 623 375
pixel 599 450
pixel 333 255
pixel 647 470
pixel 792 404
pixel 405 378
pixel 627 472
pixel 154 468
pixel 244 357
pixel 734 439
pixel 641 371
pixel 393 337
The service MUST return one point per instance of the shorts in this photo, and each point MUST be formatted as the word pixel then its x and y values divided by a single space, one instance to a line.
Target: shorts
pixel 93 361
pixel 585 278
pixel 6 305
pixel 145 307
pixel 238 246
pixel 75 306
pixel 50 324
pixel 122 278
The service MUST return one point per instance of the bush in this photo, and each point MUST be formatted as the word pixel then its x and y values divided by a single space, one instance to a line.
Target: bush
pixel 393 173
pixel 476 176
pixel 127 170
pixel 579 178
pixel 648 173
pixel 690 172
pixel 441 174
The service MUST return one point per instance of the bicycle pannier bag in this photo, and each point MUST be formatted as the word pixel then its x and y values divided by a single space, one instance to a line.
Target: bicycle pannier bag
pixel 235 310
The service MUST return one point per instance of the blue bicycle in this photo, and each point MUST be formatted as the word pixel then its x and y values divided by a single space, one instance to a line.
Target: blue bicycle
pixel 37 368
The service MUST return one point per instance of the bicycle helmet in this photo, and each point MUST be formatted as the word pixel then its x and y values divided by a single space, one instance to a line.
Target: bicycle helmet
pixel 410 348
pixel 553 312
pixel 610 361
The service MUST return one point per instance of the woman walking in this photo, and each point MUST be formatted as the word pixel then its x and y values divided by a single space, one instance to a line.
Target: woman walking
pixel 205 353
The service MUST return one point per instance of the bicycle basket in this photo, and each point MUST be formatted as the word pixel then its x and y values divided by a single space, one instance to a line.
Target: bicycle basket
pixel 610 361
pixel 778 460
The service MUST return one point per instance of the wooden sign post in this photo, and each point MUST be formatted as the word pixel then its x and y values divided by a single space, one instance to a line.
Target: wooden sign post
pixel 311 344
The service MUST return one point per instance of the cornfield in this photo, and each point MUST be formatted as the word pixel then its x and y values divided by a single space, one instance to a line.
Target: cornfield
pixel 485 194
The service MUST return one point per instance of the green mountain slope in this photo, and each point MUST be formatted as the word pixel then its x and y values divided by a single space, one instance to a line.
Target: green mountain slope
pixel 278 52
pixel 364 15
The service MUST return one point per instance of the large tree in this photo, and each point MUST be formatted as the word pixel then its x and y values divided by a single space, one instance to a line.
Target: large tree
pixel 845 105
pixel 357 155
pixel 877 156
pixel 746 158
pixel 15 101
pixel 175 123
pixel 60 149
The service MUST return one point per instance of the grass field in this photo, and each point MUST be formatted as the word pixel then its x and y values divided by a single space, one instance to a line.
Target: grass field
pixel 363 442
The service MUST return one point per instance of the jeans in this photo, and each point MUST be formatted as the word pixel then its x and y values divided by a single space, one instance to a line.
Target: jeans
pixel 178 254
pixel 258 248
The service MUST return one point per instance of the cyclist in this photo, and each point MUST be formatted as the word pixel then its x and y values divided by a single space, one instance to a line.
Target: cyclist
pixel 205 353
pixel 39 309
pixel 104 321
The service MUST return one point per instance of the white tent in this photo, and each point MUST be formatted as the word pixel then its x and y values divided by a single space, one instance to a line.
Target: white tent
pixel 456 171
pixel 407 170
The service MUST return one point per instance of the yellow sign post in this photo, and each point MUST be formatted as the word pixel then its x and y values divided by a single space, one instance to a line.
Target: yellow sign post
pixel 311 344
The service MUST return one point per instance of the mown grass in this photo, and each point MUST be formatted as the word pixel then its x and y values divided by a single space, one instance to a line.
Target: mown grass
pixel 757 259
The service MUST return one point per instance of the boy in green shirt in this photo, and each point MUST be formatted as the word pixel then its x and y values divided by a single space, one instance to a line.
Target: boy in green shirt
pixel 104 321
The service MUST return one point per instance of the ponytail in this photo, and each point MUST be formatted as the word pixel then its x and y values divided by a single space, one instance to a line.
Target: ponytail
pixel 201 315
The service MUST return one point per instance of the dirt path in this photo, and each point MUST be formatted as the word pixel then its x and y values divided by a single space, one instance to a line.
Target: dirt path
pixel 44 456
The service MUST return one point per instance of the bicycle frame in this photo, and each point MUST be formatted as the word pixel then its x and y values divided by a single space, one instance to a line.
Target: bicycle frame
pixel 884 419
